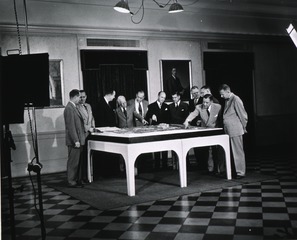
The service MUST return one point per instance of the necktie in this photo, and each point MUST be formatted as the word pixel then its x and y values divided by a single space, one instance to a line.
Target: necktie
pixel 176 106
pixel 195 101
pixel 208 113
pixel 140 109
pixel 125 112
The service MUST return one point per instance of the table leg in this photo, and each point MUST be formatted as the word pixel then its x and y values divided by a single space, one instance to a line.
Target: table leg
pixel 130 172
pixel 182 167
pixel 90 165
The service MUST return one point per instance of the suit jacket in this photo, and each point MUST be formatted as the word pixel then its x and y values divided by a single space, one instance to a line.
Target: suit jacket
pixel 234 116
pixel 161 114
pixel 74 124
pixel 105 114
pixel 122 120
pixel 192 107
pixel 173 85
pixel 210 121
pixel 178 115
pixel 137 117
pixel 87 115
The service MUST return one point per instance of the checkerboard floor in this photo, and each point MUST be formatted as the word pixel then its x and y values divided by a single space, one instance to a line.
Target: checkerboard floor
pixel 260 210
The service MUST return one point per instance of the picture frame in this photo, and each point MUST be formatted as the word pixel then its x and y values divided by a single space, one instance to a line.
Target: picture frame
pixel 182 81
pixel 56 83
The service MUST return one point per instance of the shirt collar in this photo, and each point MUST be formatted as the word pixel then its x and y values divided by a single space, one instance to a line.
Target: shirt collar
pixel 73 103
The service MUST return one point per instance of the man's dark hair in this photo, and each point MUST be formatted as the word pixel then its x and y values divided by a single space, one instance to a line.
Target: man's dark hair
pixel 208 96
pixel 224 87
pixel 177 93
pixel 108 91
pixel 140 91
pixel 82 91
pixel 73 93
pixel 206 87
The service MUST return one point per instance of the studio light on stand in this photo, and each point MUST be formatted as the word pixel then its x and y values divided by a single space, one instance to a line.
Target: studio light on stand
pixel 292 33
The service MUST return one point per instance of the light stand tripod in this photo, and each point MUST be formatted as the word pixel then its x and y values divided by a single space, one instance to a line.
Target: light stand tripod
pixel 36 167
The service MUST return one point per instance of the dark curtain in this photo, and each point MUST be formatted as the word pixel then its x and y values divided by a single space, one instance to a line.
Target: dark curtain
pixel 124 79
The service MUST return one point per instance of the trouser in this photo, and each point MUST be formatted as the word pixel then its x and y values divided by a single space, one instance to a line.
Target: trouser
pixel 236 144
pixel 158 157
pixel 74 155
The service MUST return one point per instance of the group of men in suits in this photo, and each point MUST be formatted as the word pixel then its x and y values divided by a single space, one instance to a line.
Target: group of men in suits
pixel 203 110
pixel 79 122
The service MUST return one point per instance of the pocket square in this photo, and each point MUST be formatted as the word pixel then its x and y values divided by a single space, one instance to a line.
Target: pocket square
pixel 183 110
pixel 166 109
pixel 216 115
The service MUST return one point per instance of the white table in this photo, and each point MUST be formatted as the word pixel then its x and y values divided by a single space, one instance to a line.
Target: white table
pixel 130 145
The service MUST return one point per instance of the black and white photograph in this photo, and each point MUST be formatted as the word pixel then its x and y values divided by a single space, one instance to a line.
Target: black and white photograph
pixel 148 119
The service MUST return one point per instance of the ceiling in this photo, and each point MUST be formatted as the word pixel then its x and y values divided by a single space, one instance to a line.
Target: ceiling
pixel 283 9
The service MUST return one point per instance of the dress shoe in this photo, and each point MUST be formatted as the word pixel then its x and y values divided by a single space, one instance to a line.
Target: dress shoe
pixel 85 182
pixel 239 176
pixel 79 185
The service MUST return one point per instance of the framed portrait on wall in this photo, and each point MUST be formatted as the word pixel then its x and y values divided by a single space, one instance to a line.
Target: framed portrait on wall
pixel 56 82
pixel 176 76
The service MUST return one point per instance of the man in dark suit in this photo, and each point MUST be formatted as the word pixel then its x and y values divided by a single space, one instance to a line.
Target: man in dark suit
pixel 105 113
pixel 173 84
pixel 235 120
pixel 140 105
pixel 209 113
pixel 124 114
pixel 195 98
pixel 178 110
pixel 106 164
pixel 158 112
pixel 75 138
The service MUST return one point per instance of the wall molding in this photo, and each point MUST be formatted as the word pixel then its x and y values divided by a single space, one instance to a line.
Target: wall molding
pixel 139 34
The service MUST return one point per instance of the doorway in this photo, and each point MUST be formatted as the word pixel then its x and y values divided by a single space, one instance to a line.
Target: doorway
pixel 235 69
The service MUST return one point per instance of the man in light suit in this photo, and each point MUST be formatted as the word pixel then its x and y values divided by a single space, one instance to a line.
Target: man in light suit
pixel 124 114
pixel 209 113
pixel 75 138
pixel 85 110
pixel 140 105
pixel 235 120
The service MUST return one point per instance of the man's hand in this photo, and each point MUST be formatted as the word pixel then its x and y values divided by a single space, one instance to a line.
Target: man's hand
pixel 144 122
pixel 77 144
pixel 154 118
pixel 186 124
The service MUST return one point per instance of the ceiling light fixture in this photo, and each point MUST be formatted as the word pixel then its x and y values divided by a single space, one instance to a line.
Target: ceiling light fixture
pixel 175 7
pixel 123 7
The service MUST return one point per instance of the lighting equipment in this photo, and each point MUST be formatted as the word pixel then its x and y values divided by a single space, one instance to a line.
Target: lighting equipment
pixel 175 7
pixel 292 33
pixel 123 7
